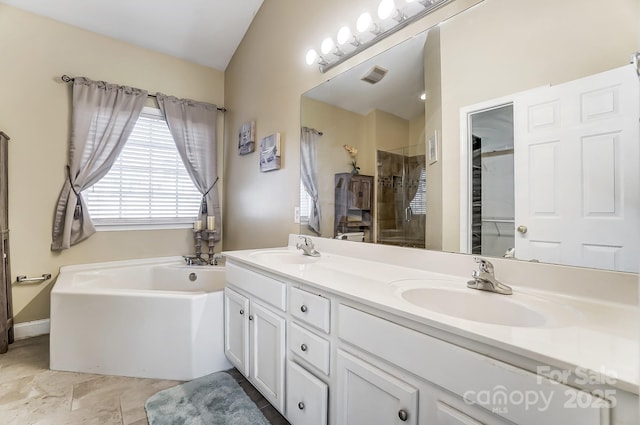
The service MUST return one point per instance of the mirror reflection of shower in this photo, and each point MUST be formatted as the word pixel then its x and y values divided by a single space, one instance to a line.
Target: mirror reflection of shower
pixel 493 202
pixel 401 196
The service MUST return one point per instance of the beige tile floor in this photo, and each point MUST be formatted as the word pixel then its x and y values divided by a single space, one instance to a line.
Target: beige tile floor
pixel 31 394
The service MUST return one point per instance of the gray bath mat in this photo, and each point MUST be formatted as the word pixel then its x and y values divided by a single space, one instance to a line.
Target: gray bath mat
pixel 213 399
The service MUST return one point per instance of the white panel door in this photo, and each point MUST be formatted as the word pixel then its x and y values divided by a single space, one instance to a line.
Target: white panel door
pixel 577 158
pixel 236 330
pixel 267 353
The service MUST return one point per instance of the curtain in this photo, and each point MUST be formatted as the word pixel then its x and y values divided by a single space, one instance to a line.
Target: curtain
pixel 103 117
pixel 194 127
pixel 309 173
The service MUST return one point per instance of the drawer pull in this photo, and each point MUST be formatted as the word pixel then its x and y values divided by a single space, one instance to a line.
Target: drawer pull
pixel 403 415
pixel 301 406
pixel 251 317
pixel 303 347
pixel 303 308
pixel 241 312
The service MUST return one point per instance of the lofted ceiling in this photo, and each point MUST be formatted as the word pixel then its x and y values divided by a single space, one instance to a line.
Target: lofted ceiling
pixel 206 32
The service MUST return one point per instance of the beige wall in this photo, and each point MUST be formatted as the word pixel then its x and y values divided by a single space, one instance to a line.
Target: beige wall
pixel 502 41
pixel 264 82
pixel 35 113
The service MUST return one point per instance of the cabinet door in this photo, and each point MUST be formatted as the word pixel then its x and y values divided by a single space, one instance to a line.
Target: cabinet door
pixel 267 353
pixel 236 330
pixel 359 193
pixel 367 395
pixel 307 397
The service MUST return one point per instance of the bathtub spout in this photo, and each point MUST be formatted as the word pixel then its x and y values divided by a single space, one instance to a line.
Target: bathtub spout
pixel 194 260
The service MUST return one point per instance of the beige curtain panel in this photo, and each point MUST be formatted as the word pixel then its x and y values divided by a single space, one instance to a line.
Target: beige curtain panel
pixel 194 128
pixel 103 117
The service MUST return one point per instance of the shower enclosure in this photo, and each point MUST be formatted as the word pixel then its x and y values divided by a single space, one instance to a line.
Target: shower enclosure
pixel 401 196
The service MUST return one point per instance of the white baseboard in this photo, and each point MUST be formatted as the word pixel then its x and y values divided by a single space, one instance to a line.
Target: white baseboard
pixel 31 329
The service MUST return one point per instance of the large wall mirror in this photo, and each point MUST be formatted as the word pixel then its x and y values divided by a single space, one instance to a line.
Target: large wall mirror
pixel 509 130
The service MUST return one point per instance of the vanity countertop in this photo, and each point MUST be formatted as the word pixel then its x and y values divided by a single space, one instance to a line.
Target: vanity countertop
pixel 597 340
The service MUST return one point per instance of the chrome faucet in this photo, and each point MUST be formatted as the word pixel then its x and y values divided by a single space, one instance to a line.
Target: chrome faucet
pixel 307 247
pixel 485 280
pixel 192 260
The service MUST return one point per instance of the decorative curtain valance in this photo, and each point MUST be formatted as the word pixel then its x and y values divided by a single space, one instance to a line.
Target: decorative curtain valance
pixel 103 117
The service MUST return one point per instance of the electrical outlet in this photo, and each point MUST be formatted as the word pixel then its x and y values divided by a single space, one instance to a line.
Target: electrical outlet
pixel 296 215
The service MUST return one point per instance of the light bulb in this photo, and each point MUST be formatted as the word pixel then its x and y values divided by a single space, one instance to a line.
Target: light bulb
pixel 344 34
pixel 311 57
pixel 386 8
pixel 364 22
pixel 423 96
pixel 326 46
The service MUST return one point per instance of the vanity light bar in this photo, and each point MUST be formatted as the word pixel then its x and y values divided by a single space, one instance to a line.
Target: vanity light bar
pixel 392 20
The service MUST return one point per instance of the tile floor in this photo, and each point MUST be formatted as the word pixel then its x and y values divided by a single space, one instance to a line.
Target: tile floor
pixel 31 394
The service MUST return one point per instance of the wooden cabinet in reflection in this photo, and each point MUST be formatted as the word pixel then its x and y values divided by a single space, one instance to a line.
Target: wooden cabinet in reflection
pixel 353 204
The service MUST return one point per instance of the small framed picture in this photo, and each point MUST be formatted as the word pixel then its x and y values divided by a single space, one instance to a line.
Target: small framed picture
pixel 270 158
pixel 247 138
pixel 432 147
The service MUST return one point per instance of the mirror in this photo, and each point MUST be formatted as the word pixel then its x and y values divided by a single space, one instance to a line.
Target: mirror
pixel 474 70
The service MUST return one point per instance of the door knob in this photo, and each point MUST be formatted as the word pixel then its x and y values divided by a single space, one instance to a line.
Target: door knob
pixel 522 229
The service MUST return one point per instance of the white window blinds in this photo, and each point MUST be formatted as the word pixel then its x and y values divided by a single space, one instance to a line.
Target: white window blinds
pixel 419 202
pixel 148 184
pixel 305 204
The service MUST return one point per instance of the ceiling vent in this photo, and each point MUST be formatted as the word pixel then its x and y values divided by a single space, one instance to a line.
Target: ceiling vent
pixel 374 76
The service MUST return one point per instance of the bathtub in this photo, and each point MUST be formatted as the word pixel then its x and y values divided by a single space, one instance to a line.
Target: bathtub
pixel 153 318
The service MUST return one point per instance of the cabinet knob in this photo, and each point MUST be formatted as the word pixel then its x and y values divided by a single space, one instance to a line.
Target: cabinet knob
pixel 303 347
pixel 403 415
pixel 301 406
pixel 303 308
pixel 241 311
pixel 251 317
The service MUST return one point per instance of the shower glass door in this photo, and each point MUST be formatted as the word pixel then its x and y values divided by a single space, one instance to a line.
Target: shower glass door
pixel 401 196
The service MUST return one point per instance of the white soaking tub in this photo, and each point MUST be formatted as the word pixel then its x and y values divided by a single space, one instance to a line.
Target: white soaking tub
pixel 151 318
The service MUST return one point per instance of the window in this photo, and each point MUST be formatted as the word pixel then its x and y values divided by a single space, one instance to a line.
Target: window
pixel 305 204
pixel 419 202
pixel 148 186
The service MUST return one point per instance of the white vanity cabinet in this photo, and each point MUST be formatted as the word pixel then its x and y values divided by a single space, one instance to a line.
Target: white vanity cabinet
pixel 349 363
pixel 255 331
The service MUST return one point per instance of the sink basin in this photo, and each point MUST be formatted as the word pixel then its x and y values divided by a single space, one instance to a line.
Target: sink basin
pixel 282 257
pixel 519 310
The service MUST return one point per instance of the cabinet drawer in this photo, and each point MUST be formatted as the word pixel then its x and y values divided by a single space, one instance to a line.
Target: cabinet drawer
pixel 267 289
pixel 307 397
pixel 471 375
pixel 310 308
pixel 310 347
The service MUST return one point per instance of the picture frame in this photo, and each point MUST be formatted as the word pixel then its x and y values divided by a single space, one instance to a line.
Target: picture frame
pixel 247 138
pixel 432 148
pixel 270 153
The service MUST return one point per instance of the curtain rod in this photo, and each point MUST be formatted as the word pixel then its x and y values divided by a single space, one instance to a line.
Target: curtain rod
pixel 320 133
pixel 68 79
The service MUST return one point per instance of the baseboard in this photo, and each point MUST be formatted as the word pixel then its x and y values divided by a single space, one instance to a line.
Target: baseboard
pixel 31 329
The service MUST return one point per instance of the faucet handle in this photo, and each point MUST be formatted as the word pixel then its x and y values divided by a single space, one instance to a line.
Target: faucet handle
pixel 307 241
pixel 484 265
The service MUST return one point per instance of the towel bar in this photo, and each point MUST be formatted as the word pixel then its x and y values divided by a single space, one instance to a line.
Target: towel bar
pixel 24 279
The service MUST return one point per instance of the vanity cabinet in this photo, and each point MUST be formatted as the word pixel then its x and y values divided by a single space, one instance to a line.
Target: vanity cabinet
pixel 351 364
pixel 255 331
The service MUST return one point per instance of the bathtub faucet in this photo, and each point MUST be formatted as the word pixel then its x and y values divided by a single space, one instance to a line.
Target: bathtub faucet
pixel 193 260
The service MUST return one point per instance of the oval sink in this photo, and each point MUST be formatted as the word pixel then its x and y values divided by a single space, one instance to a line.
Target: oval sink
pixel 477 306
pixel 451 297
pixel 282 257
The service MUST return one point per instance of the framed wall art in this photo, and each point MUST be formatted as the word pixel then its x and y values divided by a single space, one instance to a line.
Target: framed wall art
pixel 247 138
pixel 270 152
